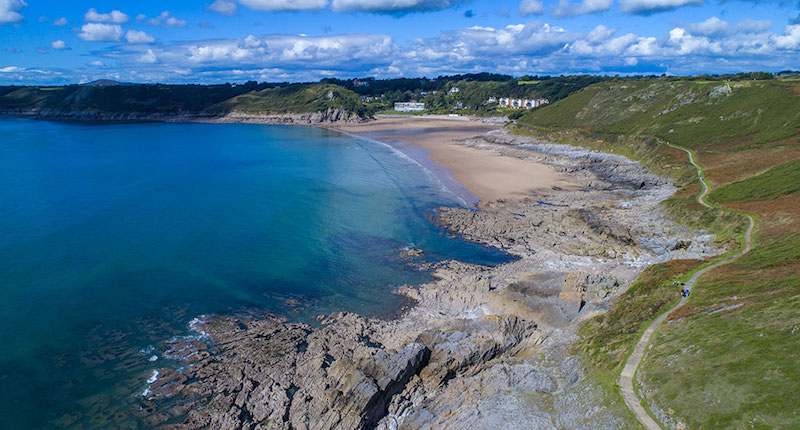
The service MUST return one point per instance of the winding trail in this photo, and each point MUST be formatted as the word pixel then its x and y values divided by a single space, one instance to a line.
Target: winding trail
pixel 628 374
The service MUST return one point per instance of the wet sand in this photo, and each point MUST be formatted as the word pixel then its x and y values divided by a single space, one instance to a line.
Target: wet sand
pixel 487 175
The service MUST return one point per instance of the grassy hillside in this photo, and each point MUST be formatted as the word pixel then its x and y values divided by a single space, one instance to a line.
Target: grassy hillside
pixel 727 359
pixel 297 98
pixel 180 99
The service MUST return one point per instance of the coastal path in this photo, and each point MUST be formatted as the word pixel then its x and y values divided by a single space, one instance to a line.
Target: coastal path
pixel 625 380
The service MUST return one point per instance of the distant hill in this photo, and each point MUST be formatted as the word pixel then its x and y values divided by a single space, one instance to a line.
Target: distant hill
pixel 116 101
pixel 105 83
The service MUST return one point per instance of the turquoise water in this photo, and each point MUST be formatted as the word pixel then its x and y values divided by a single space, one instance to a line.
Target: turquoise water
pixel 112 237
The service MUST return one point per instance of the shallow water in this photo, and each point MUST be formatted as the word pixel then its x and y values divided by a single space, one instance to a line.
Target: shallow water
pixel 112 237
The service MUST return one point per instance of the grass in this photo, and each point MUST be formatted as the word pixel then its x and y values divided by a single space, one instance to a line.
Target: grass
pixel 775 182
pixel 728 358
pixel 606 339
pixel 299 98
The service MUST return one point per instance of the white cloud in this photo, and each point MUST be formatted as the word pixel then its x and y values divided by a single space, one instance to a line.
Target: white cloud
pixel 115 17
pixel 97 63
pixel 653 6
pixel 531 7
pixel 9 10
pixel 583 7
pixel 532 48
pixel 60 22
pixel 136 36
pixel 284 5
pixel 59 45
pixel 392 6
pixel 149 57
pixel 709 27
pixel 96 32
pixel 167 20
pixel 790 40
pixel 11 69
pixel 223 7
pixel 753 26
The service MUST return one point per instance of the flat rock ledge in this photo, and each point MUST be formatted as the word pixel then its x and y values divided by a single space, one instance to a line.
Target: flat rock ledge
pixel 483 347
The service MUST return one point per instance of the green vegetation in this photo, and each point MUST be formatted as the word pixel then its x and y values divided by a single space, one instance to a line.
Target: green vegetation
pixel 607 340
pixel 298 98
pixel 181 99
pixel 728 358
pixel 775 182
pixel 474 91
pixel 731 360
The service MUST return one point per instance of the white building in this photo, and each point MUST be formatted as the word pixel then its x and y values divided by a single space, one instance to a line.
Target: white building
pixel 409 107
pixel 454 90
pixel 522 103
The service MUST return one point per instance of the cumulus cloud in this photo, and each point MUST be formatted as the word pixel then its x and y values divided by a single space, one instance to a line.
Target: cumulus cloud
pixel 790 40
pixel 713 45
pixel 715 27
pixel 97 63
pixel 354 52
pixel 97 32
pixel 148 57
pixel 223 7
pixel 392 6
pixel 60 22
pixel 644 7
pixel 136 36
pixel 59 45
pixel 284 5
pixel 531 7
pixel 709 27
pixel 753 26
pixel 583 7
pixel 114 17
pixel 167 20
pixel 9 10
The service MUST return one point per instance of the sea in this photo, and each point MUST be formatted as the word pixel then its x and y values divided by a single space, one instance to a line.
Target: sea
pixel 113 237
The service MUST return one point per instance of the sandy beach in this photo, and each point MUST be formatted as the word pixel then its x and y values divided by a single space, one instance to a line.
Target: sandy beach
pixel 487 175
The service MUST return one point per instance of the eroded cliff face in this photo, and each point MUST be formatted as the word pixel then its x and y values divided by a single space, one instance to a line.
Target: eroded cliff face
pixel 481 348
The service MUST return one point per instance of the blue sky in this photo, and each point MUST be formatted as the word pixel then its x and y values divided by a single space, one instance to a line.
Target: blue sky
pixel 192 41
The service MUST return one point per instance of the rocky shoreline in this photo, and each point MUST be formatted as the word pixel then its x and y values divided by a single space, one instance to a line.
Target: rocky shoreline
pixel 482 347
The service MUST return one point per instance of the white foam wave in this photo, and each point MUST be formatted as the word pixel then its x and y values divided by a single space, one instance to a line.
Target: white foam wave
pixel 431 175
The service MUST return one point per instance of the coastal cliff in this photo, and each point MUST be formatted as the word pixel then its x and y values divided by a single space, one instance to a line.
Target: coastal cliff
pixel 290 104
pixel 481 347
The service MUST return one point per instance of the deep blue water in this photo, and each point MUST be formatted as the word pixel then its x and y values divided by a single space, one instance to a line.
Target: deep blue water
pixel 112 237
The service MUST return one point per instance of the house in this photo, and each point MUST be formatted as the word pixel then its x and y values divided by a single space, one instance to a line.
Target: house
pixel 453 90
pixel 508 102
pixel 492 100
pixel 360 83
pixel 409 107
